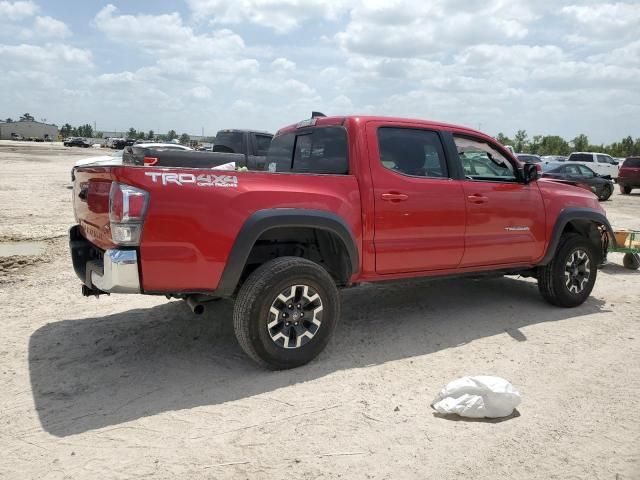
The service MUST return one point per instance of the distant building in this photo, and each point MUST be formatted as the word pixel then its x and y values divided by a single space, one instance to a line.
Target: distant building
pixel 28 129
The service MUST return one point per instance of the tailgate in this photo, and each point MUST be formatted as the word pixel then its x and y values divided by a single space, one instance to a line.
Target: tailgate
pixel 91 204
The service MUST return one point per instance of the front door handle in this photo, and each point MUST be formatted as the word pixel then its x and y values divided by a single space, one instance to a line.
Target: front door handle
pixel 394 197
pixel 478 199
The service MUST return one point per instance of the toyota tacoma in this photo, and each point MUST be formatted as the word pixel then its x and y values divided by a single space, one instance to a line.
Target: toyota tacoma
pixel 341 201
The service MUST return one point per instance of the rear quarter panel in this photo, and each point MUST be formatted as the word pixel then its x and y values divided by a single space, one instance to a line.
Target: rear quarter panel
pixel 190 227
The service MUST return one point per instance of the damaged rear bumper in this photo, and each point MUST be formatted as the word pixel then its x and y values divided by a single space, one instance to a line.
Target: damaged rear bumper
pixel 108 271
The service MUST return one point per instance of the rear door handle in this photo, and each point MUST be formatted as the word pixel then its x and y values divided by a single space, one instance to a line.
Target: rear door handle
pixel 478 199
pixel 394 197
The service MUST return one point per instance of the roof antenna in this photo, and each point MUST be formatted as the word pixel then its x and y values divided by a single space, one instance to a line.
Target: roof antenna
pixel 317 114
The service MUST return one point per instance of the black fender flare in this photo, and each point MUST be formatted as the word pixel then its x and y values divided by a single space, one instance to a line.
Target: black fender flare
pixel 566 216
pixel 263 220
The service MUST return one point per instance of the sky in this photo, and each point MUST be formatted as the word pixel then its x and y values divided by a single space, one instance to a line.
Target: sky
pixel 547 66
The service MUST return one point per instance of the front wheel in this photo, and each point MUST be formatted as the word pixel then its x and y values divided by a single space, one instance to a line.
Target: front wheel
pixel 605 193
pixel 625 190
pixel 286 312
pixel 567 281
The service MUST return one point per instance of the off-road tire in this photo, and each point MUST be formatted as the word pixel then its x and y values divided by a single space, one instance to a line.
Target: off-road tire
pixel 625 190
pixel 255 299
pixel 552 279
pixel 605 193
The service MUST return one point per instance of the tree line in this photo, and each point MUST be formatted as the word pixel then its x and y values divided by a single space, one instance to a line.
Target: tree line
pixel 556 145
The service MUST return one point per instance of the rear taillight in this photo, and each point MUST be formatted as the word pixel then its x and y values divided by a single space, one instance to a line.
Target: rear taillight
pixel 127 208
pixel 150 161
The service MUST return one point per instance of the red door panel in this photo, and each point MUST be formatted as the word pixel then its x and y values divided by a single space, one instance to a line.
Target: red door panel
pixel 419 221
pixel 505 223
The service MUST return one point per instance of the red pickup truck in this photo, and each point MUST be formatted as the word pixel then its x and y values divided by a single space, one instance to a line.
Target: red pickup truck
pixel 341 201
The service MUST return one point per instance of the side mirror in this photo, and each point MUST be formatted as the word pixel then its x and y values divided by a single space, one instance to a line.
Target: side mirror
pixel 530 173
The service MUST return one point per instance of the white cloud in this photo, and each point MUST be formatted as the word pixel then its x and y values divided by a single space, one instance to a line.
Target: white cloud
pixel 606 16
pixel 18 10
pixel 50 56
pixel 50 27
pixel 411 28
pixel 547 66
pixel 280 15
pixel 283 65
pixel 201 92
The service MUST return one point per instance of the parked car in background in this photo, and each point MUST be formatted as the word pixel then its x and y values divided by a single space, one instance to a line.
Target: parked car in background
pixel 76 142
pixel 600 163
pixel 554 158
pixel 581 176
pixel 528 158
pixel 16 136
pixel 120 143
pixel 629 176
pixel 115 158
pixel 239 148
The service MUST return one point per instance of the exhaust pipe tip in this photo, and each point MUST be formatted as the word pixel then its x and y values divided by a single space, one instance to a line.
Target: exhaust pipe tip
pixel 195 306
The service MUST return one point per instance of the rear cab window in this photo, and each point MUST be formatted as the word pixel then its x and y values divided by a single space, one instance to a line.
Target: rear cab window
pixel 632 162
pixel 318 150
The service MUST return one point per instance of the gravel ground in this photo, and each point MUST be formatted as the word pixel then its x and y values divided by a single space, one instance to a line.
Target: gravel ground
pixel 134 386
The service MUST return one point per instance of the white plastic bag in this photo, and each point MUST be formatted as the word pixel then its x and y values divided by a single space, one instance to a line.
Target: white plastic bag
pixel 478 397
pixel 225 166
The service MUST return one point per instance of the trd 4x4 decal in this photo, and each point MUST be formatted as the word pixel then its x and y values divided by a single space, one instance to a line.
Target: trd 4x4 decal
pixel 202 180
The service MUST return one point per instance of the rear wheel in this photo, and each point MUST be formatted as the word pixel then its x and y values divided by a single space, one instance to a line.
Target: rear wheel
pixel 631 261
pixel 567 281
pixel 625 190
pixel 605 193
pixel 286 312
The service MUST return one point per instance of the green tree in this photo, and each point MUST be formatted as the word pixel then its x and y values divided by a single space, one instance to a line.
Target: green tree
pixel 184 139
pixel 553 145
pixel 151 135
pixel 171 134
pixel 626 146
pixel 65 130
pixel 503 139
pixel 520 140
pixel 534 145
pixel 140 135
pixel 98 135
pixel 132 133
pixel 27 117
pixel 9 120
pixel 85 130
pixel 580 143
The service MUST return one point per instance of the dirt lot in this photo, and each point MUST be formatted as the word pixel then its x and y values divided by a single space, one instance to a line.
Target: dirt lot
pixel 133 386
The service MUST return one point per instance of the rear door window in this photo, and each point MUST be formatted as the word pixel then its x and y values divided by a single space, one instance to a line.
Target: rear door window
pixel 412 152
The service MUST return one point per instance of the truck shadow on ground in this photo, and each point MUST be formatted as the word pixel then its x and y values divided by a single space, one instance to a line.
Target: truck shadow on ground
pixel 96 372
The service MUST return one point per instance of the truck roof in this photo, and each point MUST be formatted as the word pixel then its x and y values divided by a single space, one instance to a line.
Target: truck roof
pixel 341 120
pixel 244 130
